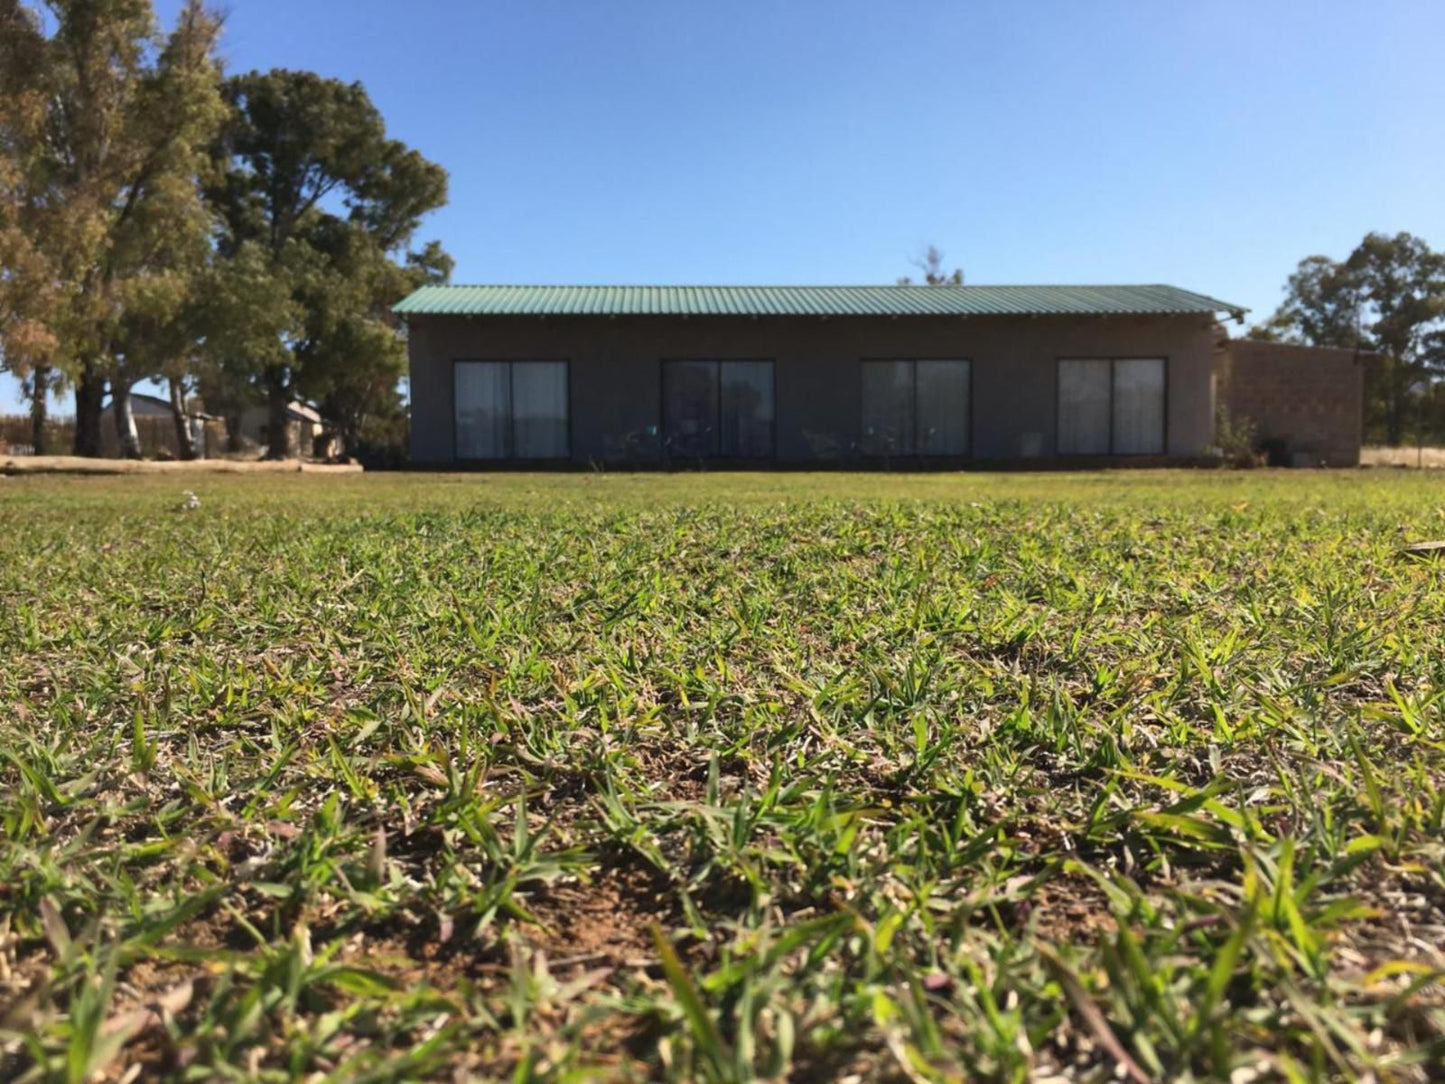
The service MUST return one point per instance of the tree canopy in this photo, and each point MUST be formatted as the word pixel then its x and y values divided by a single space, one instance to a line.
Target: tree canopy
pixel 930 263
pixel 1386 299
pixel 244 236
pixel 317 207
pixel 104 130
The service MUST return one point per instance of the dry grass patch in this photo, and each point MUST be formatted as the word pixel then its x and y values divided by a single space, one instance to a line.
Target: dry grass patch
pixel 1380 456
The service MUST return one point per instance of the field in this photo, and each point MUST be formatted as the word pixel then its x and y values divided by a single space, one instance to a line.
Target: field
pixel 1403 457
pixel 812 777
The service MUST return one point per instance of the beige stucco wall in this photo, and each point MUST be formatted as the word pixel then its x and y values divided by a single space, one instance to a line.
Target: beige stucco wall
pixel 615 372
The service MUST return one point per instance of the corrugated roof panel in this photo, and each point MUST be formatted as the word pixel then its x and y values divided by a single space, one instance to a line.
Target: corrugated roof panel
pixel 810 301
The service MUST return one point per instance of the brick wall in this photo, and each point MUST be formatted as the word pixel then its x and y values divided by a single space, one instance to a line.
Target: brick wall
pixel 1306 400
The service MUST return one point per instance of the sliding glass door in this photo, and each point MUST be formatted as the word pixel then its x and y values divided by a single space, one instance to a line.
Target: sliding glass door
pixel 916 407
pixel 1084 390
pixel 511 409
pixel 717 409
pixel 1112 406
pixel 1138 412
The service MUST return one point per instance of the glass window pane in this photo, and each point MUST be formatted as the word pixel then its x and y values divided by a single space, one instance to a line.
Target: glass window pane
pixel 539 409
pixel 482 405
pixel 1139 406
pixel 690 407
pixel 747 409
pixel 1084 407
pixel 942 407
pixel 888 407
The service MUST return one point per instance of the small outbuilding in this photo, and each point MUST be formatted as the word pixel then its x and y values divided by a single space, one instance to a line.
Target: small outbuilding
pixel 306 432
pixel 1304 404
pixel 886 376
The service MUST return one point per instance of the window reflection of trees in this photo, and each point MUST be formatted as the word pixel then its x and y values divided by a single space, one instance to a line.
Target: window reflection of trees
pixel 914 407
pixel 714 408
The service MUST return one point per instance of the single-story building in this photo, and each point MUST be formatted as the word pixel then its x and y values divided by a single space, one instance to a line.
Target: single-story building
pixel 1304 404
pixel 899 376
pixel 304 426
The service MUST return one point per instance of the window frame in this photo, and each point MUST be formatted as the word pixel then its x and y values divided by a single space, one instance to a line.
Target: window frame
pixel 719 455
pixel 913 452
pixel 1113 360
pixel 511 456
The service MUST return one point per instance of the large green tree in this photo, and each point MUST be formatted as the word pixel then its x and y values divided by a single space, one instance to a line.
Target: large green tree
pixel 319 207
pixel 29 298
pixel 162 247
pixel 111 170
pixel 361 360
pixel 1386 298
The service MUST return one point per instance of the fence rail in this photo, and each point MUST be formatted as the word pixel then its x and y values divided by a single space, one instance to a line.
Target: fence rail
pixel 157 436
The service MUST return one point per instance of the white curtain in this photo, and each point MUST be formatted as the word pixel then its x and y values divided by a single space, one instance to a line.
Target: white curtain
pixel 888 407
pixel 539 409
pixel 1084 406
pixel 747 409
pixel 1139 406
pixel 942 401
pixel 483 408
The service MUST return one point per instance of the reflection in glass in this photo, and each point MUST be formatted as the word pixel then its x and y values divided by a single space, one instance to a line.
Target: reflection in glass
pixel 718 408
pixel 539 409
pixel 942 399
pixel 510 409
pixel 1084 406
pixel 483 395
pixel 915 407
pixel 1139 406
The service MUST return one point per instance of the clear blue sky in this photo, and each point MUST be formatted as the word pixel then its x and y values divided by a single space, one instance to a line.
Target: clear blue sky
pixel 1208 145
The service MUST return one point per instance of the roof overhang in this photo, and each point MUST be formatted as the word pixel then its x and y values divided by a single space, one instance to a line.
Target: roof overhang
pixel 820 301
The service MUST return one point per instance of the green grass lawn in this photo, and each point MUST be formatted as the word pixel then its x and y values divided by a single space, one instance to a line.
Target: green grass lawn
pixel 948 777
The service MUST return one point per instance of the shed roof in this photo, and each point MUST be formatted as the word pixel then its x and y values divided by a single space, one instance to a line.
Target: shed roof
pixel 160 406
pixel 811 301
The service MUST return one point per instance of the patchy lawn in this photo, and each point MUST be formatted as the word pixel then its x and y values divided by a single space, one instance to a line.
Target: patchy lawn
pixel 785 776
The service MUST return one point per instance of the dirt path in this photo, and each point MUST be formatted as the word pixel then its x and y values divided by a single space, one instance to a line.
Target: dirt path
pixel 70 464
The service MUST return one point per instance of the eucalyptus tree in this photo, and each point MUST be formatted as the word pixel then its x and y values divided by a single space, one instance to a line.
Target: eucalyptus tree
pixel 1386 298
pixel 163 245
pixel 28 294
pixel 318 209
pixel 112 164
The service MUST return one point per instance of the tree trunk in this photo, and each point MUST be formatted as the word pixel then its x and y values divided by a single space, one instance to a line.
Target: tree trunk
pixel 1399 390
pixel 126 437
pixel 232 419
pixel 278 426
pixel 39 409
pixel 185 438
pixel 89 401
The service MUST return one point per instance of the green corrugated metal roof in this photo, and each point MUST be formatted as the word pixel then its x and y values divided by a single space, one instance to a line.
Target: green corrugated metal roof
pixel 809 301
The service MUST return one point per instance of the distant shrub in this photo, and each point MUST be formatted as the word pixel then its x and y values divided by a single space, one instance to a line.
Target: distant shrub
pixel 380 443
pixel 1235 439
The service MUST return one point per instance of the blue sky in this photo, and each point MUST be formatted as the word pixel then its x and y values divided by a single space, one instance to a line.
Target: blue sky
pixel 1208 145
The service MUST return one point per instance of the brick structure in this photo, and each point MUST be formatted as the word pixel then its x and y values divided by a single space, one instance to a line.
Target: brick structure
pixel 1306 402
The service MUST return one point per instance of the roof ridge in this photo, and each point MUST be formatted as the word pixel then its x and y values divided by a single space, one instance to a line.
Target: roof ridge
pixel 801 286
pixel 741 299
